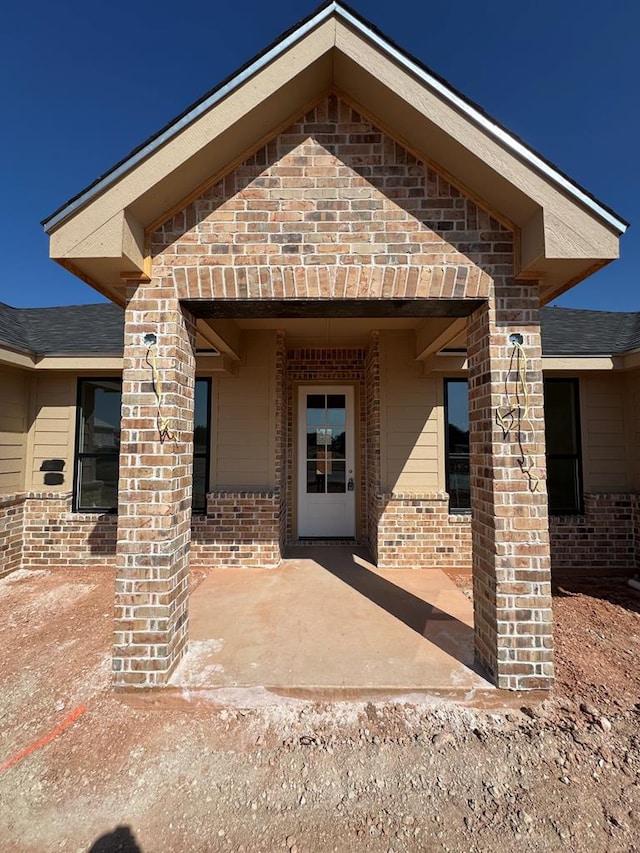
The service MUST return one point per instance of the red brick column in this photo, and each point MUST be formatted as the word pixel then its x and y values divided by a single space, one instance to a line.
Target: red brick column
pixel 154 499
pixel 510 525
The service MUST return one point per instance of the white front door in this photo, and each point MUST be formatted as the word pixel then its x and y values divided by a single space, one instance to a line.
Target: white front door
pixel 326 470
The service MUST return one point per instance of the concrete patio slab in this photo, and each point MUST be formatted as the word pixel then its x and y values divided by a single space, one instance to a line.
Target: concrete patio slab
pixel 328 619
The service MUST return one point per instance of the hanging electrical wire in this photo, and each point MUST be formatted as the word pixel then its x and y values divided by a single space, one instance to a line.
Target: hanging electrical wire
pixel 165 429
pixel 514 416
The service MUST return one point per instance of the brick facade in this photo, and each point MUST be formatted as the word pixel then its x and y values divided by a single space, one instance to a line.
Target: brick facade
pixel 373 485
pixel 11 533
pixel 39 530
pixel 510 528
pixel 331 208
pixel 239 529
pixel 606 539
pixel 155 488
pixel 636 530
pixel 417 532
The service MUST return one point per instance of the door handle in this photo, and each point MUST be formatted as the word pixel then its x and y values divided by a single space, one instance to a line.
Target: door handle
pixel 350 484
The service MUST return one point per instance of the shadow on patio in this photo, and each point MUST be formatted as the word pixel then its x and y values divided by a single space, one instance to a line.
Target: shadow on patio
pixel 327 619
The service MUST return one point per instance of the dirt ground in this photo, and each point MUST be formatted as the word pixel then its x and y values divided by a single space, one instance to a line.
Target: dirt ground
pixel 263 774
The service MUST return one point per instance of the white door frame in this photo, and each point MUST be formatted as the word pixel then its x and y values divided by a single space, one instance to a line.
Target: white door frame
pixel 330 515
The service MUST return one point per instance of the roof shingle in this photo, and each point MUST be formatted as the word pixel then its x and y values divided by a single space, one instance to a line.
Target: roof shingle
pixel 99 328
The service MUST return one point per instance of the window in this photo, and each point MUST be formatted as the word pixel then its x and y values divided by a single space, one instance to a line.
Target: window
pixel 456 407
pixel 98 445
pixel 562 432
pixel 201 444
pixel 564 457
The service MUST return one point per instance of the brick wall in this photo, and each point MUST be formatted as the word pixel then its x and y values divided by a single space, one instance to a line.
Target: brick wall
pixel 331 208
pixel 56 536
pixel 282 428
pixel 11 532
pixel 372 383
pixel 39 530
pixel 636 529
pixel 604 540
pixel 240 529
pixel 417 532
pixel 155 487
pixel 510 529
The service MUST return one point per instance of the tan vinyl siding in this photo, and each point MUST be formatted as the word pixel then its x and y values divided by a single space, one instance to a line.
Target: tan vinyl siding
pixel 243 419
pixel 604 437
pixel 411 419
pixel 14 389
pixel 53 428
pixel 632 399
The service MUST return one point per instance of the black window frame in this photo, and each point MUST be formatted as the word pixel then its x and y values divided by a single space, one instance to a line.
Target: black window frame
pixel 577 455
pixel 79 455
pixel 206 455
pixel 447 455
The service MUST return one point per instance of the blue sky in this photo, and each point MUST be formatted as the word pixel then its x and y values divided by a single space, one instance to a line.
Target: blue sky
pixel 83 83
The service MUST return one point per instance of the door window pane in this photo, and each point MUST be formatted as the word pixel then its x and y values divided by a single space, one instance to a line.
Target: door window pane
pixel 316 409
pixel 315 477
pixel 336 410
pixel 336 477
pixel 338 444
pixel 326 443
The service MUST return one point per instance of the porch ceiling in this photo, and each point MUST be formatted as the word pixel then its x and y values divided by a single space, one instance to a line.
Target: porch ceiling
pixel 338 308
pixel 564 233
pixel 432 334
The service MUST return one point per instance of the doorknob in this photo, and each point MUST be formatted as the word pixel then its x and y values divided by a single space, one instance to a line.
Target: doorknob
pixel 350 484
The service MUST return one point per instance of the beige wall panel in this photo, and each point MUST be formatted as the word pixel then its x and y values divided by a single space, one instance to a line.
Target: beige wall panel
pixel 53 414
pixel 604 435
pixel 14 391
pixel 409 440
pixel 632 414
pixel 243 419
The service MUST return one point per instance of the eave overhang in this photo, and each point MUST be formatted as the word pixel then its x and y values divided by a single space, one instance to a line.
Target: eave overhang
pixel 563 233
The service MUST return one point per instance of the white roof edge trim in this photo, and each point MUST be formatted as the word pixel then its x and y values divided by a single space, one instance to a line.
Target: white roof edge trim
pixel 190 117
pixel 491 127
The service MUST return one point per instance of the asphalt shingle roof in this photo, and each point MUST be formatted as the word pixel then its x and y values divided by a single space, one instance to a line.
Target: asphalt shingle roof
pixel 98 328
pixel 574 331
pixel 69 329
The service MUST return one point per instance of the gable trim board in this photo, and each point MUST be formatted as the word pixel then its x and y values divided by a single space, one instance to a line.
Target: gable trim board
pixel 280 46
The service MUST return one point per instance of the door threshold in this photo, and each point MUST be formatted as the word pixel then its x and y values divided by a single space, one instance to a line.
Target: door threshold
pixel 325 540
